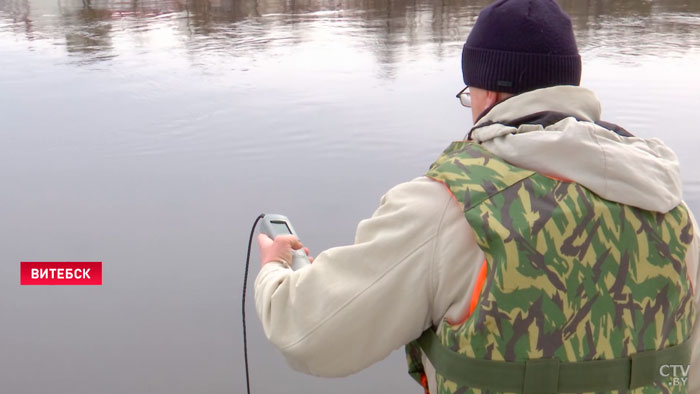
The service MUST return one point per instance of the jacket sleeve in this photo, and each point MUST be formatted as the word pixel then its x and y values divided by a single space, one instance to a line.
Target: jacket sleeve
pixel 355 304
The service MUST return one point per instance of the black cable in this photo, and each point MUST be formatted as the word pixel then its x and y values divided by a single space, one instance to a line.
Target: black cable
pixel 245 286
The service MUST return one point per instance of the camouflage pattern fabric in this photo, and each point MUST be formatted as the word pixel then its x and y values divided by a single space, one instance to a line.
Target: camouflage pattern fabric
pixel 570 275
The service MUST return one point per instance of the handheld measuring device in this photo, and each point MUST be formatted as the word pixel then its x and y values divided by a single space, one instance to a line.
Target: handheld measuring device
pixel 273 225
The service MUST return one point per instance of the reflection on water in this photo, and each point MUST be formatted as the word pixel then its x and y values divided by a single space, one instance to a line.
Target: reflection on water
pixel 622 29
pixel 148 134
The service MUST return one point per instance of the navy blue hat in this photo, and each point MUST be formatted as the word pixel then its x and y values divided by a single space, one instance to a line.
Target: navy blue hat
pixel 521 45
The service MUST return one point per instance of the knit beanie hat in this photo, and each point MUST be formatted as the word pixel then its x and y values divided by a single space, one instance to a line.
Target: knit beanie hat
pixel 521 45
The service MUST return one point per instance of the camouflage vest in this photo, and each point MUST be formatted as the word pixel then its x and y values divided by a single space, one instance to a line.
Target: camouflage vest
pixel 569 275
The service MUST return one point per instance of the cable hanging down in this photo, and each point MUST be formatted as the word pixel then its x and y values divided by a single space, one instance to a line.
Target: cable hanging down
pixel 245 286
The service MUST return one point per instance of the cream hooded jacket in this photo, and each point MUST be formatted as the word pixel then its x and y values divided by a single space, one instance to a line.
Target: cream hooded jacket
pixel 415 261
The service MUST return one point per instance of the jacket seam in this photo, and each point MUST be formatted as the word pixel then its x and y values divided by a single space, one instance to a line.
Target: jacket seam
pixel 605 162
pixel 492 195
pixel 357 295
pixel 433 266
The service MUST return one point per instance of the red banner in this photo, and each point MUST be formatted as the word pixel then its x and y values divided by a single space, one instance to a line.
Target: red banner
pixel 61 273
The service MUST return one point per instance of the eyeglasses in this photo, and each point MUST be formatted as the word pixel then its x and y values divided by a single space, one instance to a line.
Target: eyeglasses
pixel 465 97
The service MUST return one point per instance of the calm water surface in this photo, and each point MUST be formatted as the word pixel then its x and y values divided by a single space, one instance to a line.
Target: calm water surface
pixel 149 135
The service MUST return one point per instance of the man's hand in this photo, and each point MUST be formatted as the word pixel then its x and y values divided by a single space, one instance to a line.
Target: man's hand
pixel 279 249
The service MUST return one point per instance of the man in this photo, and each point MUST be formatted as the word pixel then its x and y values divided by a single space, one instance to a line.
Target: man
pixel 545 243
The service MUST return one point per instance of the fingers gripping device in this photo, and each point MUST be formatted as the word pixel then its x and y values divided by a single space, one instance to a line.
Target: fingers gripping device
pixel 273 225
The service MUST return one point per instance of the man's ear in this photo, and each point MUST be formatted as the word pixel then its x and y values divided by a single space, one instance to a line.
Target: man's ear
pixel 491 98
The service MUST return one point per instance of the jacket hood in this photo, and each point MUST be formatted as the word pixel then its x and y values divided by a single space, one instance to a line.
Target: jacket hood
pixel 556 131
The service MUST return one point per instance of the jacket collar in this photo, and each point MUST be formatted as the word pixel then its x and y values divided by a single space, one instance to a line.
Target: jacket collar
pixel 574 101
pixel 533 131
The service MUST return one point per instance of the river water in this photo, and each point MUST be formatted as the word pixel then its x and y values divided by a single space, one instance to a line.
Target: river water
pixel 149 134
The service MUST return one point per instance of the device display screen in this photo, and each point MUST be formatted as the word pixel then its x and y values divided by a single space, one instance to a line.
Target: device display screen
pixel 280 227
